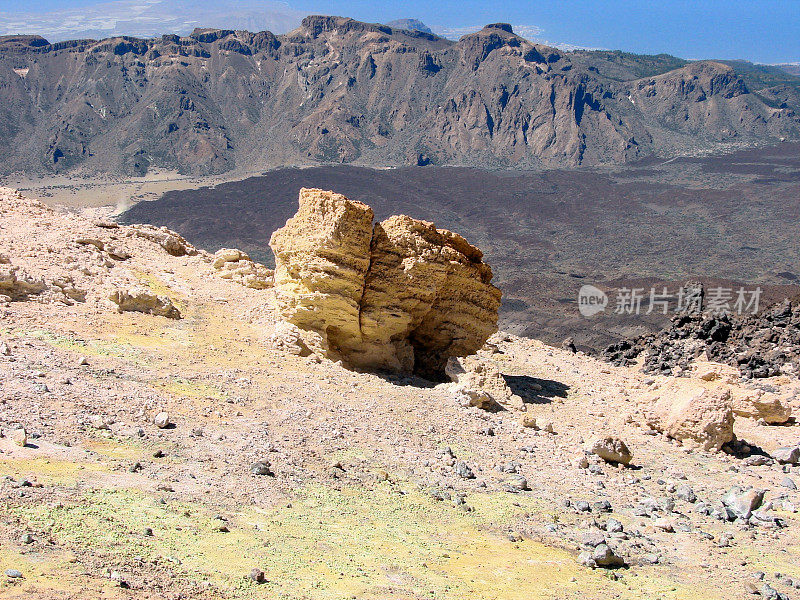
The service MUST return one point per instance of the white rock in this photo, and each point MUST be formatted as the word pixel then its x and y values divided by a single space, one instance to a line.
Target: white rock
pixel 161 420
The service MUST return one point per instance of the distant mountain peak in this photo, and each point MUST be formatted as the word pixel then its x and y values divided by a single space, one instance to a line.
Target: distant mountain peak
pixel 410 25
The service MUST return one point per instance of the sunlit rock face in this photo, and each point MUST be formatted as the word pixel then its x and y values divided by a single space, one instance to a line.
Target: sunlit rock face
pixel 400 295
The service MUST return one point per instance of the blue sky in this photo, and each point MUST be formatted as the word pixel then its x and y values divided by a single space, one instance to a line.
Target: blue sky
pixel 758 30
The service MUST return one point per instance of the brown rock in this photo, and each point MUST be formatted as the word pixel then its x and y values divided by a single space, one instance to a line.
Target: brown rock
pixel 401 296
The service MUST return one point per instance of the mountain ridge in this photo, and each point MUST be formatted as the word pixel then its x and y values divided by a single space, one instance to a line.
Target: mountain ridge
pixel 336 90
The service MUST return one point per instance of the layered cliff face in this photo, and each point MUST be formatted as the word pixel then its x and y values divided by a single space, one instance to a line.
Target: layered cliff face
pixel 337 90
pixel 401 295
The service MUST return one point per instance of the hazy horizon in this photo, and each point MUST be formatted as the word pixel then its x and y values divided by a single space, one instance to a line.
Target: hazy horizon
pixel 766 31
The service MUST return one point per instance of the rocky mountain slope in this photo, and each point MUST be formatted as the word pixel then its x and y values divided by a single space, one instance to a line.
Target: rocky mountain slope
pixel 175 445
pixel 337 90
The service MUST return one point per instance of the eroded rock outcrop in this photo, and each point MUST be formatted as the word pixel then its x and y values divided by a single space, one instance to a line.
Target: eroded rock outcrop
pixel 237 266
pixel 144 301
pixel 400 295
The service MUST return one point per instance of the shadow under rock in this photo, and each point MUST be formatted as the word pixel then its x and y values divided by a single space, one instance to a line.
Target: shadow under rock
pixel 403 379
pixel 533 390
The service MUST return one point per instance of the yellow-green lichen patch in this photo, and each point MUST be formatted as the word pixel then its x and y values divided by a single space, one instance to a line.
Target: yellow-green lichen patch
pixel 331 544
pixel 52 573
pixel 49 470
pixel 191 389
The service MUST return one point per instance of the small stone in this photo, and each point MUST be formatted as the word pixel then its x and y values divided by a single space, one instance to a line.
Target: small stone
pixel 517 483
pixel 26 539
pixel 4 349
pixel 13 573
pixel 546 426
pixel 787 455
pixel 769 593
pixel 528 420
pixel 257 575
pixel 593 538
pixel 604 557
pixel 751 588
pixel 686 493
pixel 83 362
pixel 759 460
pixel 664 524
pixel 612 449
pixel 161 420
pixel 159 454
pixel 20 437
pixel 585 559
pixel 650 559
pixel 743 503
pixel 463 470
pixel 262 467
pixel 788 483
pixel 582 506
pixel 613 526
pixel 101 422
pixel 666 504
pixel 602 506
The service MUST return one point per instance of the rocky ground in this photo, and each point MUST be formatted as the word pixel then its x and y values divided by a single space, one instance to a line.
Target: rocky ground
pixel 190 457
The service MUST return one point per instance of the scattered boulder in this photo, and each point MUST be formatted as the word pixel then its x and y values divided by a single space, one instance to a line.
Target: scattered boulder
pixel 742 503
pixel 18 284
pixel 257 575
pixel 468 396
pixel 664 524
pixel 601 556
pixel 400 295
pixel 612 449
pixel 516 483
pixel 686 493
pixel 694 415
pixel 261 467
pixel 102 422
pixel 144 301
pixel 464 471
pixel 787 455
pixel 172 242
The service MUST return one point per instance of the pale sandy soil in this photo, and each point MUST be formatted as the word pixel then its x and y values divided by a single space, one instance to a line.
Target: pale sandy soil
pixel 362 502
pixel 115 195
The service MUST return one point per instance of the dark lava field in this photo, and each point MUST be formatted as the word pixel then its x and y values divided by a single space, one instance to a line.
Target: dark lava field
pixel 729 221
